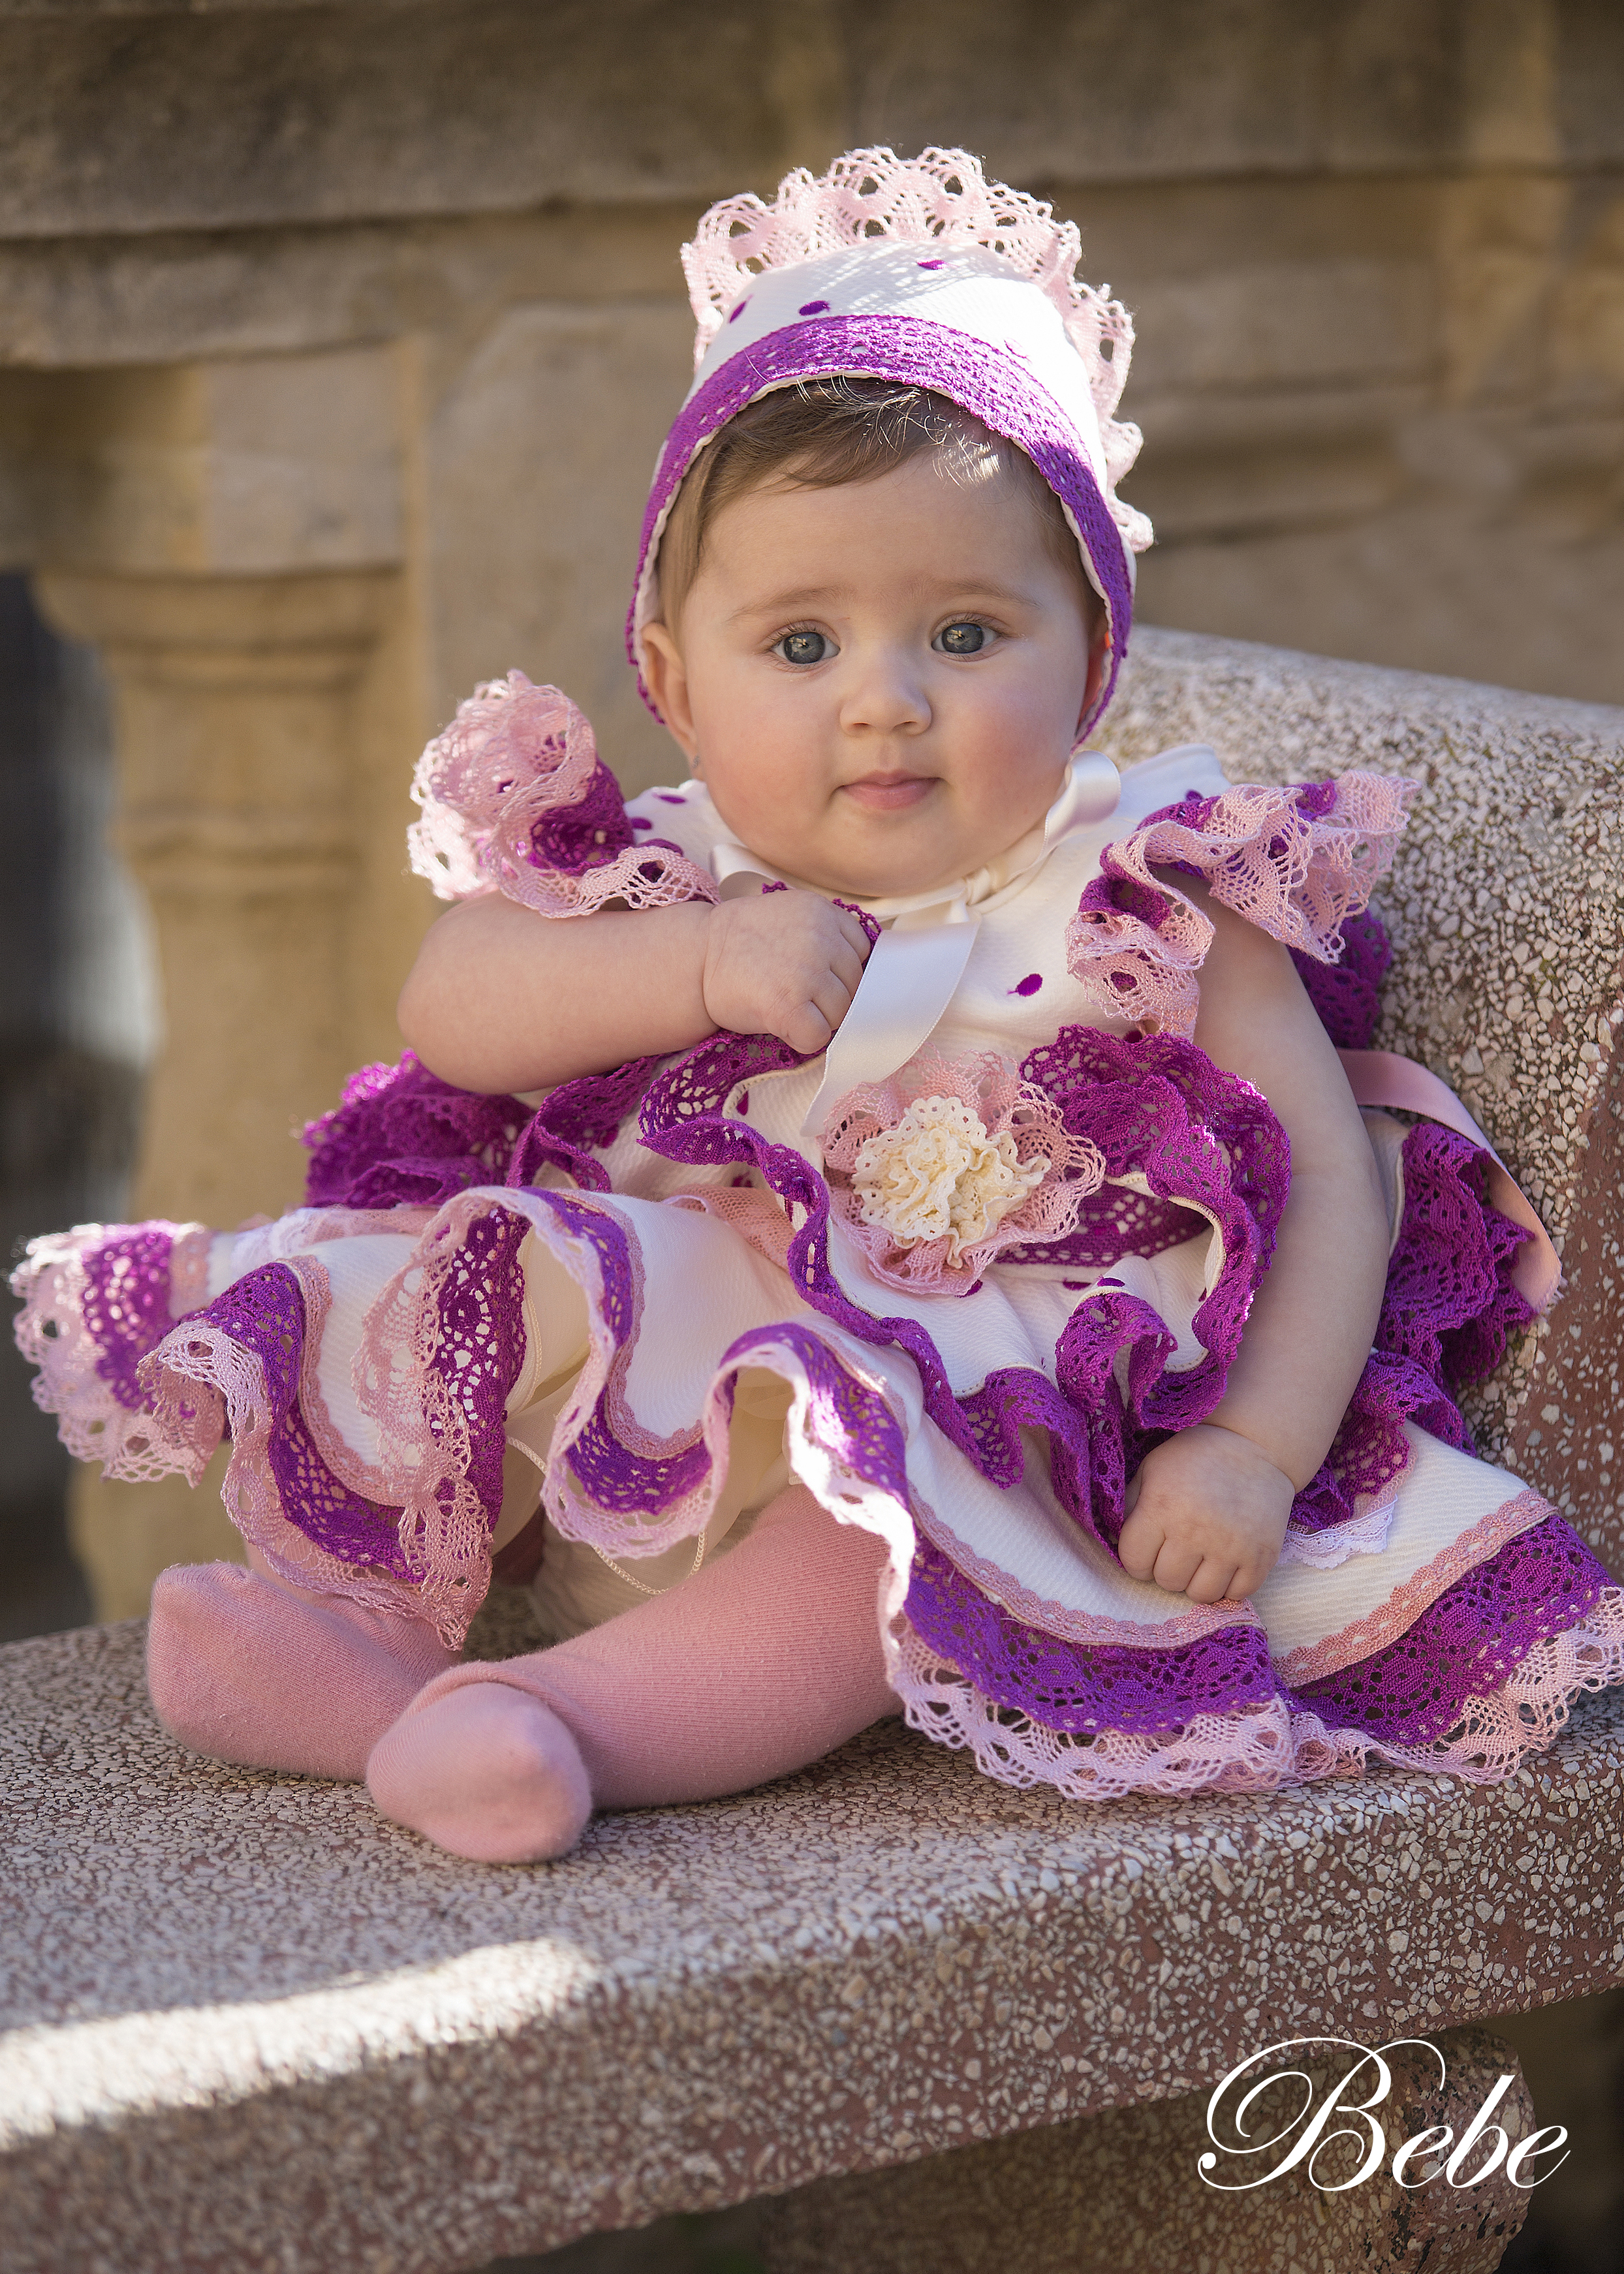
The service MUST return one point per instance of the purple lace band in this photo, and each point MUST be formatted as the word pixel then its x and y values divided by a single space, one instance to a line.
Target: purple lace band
pixel 1465 1645
pixel 1467 1642
pixel 126 1305
pixel 479 1350
pixel 401 1136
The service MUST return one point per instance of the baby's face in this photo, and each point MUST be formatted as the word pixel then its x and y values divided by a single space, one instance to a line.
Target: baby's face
pixel 882 682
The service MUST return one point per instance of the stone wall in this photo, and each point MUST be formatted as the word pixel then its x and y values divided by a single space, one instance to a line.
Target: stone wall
pixel 336 343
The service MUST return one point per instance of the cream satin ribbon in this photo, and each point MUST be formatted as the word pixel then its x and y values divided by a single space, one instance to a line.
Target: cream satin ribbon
pixel 915 965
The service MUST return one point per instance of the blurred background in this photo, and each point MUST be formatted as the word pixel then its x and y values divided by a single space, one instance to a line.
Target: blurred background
pixel 336 343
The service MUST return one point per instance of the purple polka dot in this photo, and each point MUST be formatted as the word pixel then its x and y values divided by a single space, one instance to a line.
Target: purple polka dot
pixel 642 821
pixel 670 797
pixel 1075 1283
pixel 1029 985
pixel 814 308
pixel 930 264
pixel 738 308
pixel 742 1106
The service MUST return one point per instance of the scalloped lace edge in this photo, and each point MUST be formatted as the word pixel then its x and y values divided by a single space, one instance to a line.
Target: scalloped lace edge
pixel 514 752
pixel 870 196
pixel 1260 1748
pixel 233 1379
pixel 52 1336
pixel 1295 877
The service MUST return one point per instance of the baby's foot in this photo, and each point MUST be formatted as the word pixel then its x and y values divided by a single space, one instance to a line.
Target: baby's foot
pixel 244 1669
pixel 486 1770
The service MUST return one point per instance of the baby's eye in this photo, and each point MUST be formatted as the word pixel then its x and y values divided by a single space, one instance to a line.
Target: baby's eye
pixel 803 647
pixel 963 639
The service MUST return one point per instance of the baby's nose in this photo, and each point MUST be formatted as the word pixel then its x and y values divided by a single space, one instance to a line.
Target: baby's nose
pixel 887 698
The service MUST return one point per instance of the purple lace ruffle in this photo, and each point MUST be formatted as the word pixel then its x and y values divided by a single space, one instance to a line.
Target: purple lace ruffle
pixel 1465 1645
pixel 401 1136
pixel 1347 995
pixel 265 1312
pixel 1077 1686
pixel 480 1347
pixel 1468 1642
pixel 126 1305
pixel 1448 1311
pixel 594 829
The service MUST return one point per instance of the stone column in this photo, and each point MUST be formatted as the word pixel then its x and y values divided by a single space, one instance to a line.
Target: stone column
pixel 227 537
pixel 236 727
pixel 234 701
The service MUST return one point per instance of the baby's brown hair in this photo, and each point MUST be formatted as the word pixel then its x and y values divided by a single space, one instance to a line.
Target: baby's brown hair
pixel 825 433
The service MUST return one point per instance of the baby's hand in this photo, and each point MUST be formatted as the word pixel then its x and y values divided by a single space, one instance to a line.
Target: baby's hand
pixel 785 964
pixel 1206 1516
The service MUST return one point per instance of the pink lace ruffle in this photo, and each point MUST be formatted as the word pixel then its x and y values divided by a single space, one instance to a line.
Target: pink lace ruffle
pixel 210 1372
pixel 991 1087
pixel 57 1331
pixel 1295 861
pixel 1263 1747
pixel 941 200
pixel 514 796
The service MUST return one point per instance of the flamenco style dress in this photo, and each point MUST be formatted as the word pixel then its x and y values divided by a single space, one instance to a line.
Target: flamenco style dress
pixel 957 1278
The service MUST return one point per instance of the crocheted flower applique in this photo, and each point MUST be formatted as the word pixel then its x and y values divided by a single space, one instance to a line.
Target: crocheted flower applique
pixel 938 1170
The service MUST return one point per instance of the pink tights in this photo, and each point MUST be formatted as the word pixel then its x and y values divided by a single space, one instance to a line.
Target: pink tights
pixel 762 1661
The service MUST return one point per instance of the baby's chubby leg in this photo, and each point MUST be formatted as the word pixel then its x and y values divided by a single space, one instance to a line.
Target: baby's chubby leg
pixel 246 1667
pixel 764 1660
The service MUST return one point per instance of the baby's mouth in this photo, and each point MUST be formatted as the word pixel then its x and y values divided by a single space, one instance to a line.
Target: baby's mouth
pixel 889 793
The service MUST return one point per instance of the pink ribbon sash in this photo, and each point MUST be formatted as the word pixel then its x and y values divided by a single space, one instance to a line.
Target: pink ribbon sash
pixel 1381 1078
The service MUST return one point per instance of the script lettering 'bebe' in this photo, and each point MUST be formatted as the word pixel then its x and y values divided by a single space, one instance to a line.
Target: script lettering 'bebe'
pixel 1309 2134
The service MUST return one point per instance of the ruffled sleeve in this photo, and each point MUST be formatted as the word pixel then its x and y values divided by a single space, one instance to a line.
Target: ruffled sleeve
pixel 1295 861
pixel 515 797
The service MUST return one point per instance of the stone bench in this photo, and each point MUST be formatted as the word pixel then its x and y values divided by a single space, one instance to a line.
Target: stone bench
pixel 249 2025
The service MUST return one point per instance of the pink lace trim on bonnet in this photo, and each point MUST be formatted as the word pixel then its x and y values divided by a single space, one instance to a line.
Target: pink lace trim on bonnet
pixel 1295 861
pixel 514 796
pixel 940 200
pixel 983 1111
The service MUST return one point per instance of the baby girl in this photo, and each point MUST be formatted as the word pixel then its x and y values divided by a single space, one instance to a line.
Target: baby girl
pixel 882 1226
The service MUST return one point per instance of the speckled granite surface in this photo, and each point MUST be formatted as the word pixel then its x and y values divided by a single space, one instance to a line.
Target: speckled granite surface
pixel 1121 2193
pixel 1506 910
pixel 247 2024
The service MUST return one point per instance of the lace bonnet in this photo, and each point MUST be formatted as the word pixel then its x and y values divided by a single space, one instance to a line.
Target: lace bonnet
pixel 921 272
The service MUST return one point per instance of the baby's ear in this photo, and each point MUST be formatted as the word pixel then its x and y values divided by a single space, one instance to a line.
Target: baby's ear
pixel 665 676
pixel 1099 663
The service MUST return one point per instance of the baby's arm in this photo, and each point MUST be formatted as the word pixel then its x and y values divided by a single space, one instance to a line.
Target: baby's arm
pixel 1210 1505
pixel 501 998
